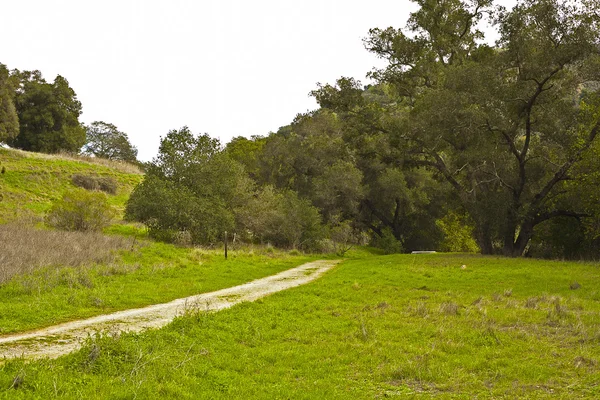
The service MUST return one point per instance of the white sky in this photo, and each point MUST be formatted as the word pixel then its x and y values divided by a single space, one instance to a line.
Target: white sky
pixel 227 68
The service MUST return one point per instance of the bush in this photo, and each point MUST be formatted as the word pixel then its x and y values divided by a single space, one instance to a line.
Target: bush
pixel 191 186
pixel 388 242
pixel 458 234
pixel 281 218
pixel 169 209
pixel 106 184
pixel 343 237
pixel 85 181
pixel 80 210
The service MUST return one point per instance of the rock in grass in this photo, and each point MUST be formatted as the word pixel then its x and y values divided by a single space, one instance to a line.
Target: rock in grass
pixel 574 286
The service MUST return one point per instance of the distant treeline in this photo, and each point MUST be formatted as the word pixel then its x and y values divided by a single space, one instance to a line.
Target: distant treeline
pixel 40 116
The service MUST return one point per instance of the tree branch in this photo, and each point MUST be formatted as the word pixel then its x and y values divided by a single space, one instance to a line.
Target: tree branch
pixel 561 174
pixel 557 213
pixel 386 221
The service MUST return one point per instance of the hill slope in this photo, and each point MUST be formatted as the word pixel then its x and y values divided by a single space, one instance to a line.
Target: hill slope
pixel 31 182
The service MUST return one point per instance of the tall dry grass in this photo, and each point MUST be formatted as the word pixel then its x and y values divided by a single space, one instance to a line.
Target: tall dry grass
pixel 121 166
pixel 24 249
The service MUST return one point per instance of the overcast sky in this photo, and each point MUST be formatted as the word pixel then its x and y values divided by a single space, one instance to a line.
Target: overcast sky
pixel 224 67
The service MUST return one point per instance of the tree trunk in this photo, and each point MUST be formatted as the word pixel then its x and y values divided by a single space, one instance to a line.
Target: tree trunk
pixel 483 238
pixel 525 235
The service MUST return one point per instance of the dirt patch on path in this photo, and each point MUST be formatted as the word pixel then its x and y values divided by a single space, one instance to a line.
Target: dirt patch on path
pixel 61 339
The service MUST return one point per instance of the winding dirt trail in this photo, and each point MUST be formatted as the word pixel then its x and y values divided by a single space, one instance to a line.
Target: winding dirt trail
pixel 61 339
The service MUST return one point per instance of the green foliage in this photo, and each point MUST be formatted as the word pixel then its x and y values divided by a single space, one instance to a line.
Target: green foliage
pixel 311 158
pixel 343 237
pixel 247 152
pixel 169 209
pixel 339 189
pixel 9 122
pixel 564 238
pixel 504 126
pixel 48 115
pixel 281 218
pixel 388 242
pixel 191 186
pixel 106 141
pixel 81 210
pixel 458 234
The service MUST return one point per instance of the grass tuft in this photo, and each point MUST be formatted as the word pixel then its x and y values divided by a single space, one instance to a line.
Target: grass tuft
pixel 449 308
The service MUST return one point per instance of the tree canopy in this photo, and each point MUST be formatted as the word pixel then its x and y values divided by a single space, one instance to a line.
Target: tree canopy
pixel 105 140
pixel 504 125
pixel 48 115
pixel 457 143
pixel 9 122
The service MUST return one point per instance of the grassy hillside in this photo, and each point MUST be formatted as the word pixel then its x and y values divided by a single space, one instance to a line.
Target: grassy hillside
pixel 32 181
pixel 374 327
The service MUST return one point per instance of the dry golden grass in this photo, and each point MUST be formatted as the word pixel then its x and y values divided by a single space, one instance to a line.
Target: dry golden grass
pixel 25 249
pixel 121 166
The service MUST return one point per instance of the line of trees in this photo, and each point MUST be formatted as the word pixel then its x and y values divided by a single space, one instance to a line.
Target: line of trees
pixel 41 116
pixel 459 144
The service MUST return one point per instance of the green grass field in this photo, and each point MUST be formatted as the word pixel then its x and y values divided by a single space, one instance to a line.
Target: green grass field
pixel 374 327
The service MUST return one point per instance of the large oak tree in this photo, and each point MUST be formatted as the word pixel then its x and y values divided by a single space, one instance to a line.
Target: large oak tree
pixel 503 124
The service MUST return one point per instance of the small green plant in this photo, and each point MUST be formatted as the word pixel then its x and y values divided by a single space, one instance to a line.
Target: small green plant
pixel 80 210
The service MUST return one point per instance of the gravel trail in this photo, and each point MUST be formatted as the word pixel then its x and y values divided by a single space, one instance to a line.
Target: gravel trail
pixel 55 341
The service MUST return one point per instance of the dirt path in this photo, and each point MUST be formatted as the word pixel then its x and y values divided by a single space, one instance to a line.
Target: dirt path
pixel 61 339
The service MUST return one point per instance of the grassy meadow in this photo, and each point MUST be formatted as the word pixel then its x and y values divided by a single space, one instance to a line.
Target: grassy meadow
pixel 416 326
pixel 116 273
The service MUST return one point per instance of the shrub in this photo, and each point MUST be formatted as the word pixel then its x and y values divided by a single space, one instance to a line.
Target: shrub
pixel 281 218
pixel 168 209
pixel 343 237
pixel 85 181
pixel 80 210
pixel 106 184
pixel 191 186
pixel 458 234
pixel 388 242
